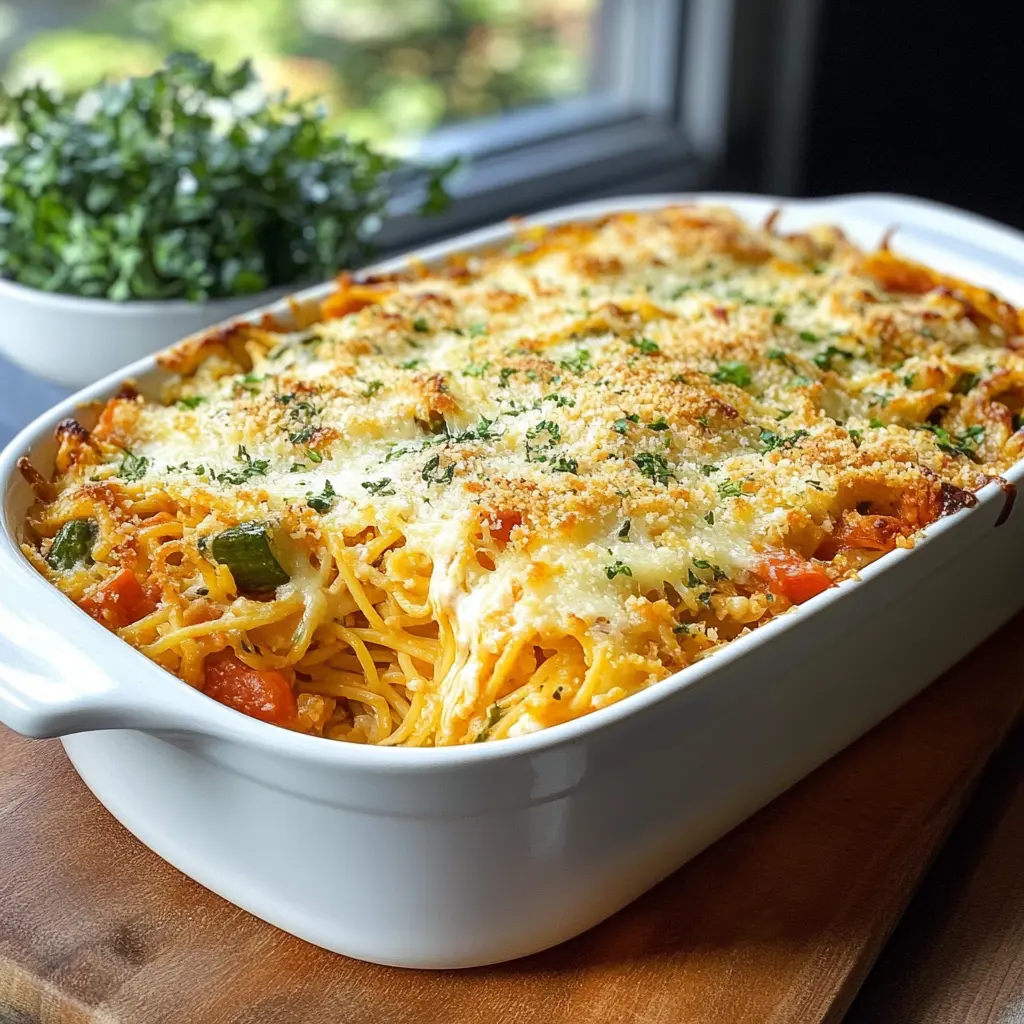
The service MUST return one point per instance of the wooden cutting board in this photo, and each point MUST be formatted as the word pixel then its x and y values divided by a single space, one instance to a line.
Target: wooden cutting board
pixel 779 921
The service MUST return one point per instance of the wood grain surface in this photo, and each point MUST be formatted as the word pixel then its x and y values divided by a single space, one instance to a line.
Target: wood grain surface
pixel 779 921
pixel 957 957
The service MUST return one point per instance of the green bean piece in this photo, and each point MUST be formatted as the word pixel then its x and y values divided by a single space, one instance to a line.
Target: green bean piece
pixel 245 550
pixel 73 545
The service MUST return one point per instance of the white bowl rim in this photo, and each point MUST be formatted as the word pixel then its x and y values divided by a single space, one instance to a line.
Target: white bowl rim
pixel 400 760
pixel 132 307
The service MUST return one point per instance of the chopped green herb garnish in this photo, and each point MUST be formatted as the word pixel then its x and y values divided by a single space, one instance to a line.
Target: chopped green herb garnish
pixel 504 375
pixel 654 467
pixel 856 436
pixel 730 488
pixel 693 580
pixel 133 467
pixel 709 518
pixel 249 468
pixel 420 325
pixel 545 426
pixel 314 456
pixel 411 364
pixel 708 468
pixel 323 501
pixel 809 336
pixel 477 329
pixel 823 360
pixel 618 569
pixel 733 373
pixel 433 474
pixel 372 387
pixel 658 424
pixel 779 317
pixel 964 443
pixel 380 487
pixel 645 345
pixel 771 441
pixel 876 423
pixel 192 402
pixel 303 435
pixel 579 363
pixel 476 369
pixel 564 465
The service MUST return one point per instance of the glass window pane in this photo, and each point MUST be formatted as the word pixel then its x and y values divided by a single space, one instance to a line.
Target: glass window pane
pixel 390 70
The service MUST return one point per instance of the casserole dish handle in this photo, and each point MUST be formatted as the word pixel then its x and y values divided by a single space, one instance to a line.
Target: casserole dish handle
pixel 49 686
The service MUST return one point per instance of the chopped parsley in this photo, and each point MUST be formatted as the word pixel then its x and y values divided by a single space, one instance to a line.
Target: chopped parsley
pixel 693 580
pixel 411 364
pixel 372 387
pixel 545 426
pixel 707 469
pixel 770 441
pixel 964 443
pixel 809 336
pixel 709 518
pixel 504 375
pixel 249 467
pixel 477 329
pixel 133 467
pixel 420 325
pixel 730 488
pixel 856 436
pixel 823 360
pixel 191 402
pixel 618 569
pixel 564 465
pixel 654 467
pixel 733 373
pixel 323 501
pixel 433 474
pixel 645 345
pixel 380 487
pixel 658 424
pixel 563 401
pixel 579 363
pixel 303 435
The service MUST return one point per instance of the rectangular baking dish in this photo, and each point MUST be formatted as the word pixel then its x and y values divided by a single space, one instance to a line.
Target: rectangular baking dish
pixel 470 855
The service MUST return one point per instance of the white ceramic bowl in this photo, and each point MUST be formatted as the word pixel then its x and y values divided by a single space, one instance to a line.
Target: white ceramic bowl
pixel 74 341
pixel 469 855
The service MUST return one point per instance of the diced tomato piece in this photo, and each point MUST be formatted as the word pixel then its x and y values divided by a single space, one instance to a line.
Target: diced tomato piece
pixel 119 601
pixel 260 693
pixel 503 524
pixel 792 577
pixel 858 532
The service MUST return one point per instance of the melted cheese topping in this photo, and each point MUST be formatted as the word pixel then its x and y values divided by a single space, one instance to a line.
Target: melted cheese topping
pixel 599 452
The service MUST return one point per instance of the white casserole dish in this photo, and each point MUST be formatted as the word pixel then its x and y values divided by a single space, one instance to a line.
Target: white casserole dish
pixel 469 855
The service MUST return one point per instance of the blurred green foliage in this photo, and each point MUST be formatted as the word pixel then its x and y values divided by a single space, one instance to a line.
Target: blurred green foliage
pixel 389 70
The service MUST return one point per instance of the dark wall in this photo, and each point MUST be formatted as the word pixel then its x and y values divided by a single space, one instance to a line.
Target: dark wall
pixel 921 98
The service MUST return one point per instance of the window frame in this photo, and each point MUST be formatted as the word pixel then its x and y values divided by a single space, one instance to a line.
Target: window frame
pixel 722 105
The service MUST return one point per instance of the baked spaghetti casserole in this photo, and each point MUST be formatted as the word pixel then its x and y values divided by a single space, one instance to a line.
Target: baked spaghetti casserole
pixel 466 502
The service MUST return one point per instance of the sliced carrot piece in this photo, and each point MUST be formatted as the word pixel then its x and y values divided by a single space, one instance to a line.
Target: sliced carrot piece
pixel 792 577
pixel 118 601
pixel 259 693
